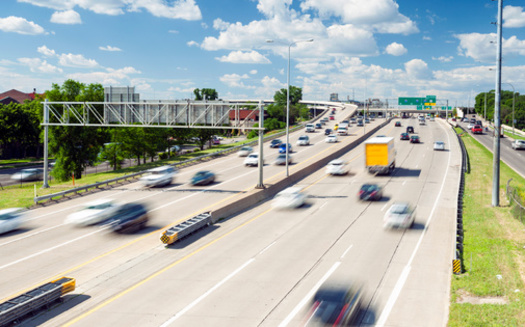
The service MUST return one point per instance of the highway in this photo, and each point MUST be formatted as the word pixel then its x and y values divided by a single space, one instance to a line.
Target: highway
pixel 259 267
pixel 513 158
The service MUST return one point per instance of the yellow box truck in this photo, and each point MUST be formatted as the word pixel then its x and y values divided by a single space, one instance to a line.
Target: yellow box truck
pixel 380 155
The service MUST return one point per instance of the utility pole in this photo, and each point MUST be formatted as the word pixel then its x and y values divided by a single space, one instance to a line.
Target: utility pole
pixel 497 114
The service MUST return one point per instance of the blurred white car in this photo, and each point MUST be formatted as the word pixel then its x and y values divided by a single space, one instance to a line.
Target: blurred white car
pixel 245 151
pixel 93 213
pixel 303 140
pixel 399 215
pixel 439 146
pixel 518 144
pixel 470 125
pixel 281 159
pixel 337 167
pixel 252 160
pixel 29 174
pixel 11 219
pixel 159 176
pixel 331 139
pixel 289 198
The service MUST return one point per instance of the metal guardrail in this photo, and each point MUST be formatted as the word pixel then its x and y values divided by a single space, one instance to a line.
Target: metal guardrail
pixel 458 264
pixel 179 231
pixel 16 308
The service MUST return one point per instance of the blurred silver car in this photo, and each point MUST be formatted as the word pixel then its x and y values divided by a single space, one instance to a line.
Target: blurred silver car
pixel 252 160
pixel 399 215
pixel 159 176
pixel 518 144
pixel 11 219
pixel 331 139
pixel 93 212
pixel 29 174
pixel 281 159
pixel 245 151
pixel 289 198
pixel 439 146
pixel 337 167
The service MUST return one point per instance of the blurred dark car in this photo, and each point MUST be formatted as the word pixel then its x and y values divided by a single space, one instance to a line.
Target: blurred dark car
pixel 336 306
pixel 405 136
pixel 410 129
pixel 370 192
pixel 398 124
pixel 204 177
pixel 415 139
pixel 130 217
pixel 327 131
pixel 275 143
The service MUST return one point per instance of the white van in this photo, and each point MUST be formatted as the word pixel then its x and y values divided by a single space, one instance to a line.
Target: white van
pixel 310 128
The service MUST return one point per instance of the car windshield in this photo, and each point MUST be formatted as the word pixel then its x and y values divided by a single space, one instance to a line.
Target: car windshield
pixel 399 209
pixel 276 141
pixel 98 206
pixel 7 216
pixel 337 163
pixel 369 187
pixel 246 148
pixel 302 137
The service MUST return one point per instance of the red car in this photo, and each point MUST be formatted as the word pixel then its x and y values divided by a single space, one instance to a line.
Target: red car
pixel 332 117
pixel 477 129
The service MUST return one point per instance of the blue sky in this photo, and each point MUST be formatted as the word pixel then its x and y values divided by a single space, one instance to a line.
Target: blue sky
pixel 361 48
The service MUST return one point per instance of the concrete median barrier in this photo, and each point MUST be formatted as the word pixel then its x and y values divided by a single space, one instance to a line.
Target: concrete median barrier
pixel 255 196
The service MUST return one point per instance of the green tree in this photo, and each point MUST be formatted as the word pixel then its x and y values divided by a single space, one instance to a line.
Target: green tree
pixel 20 129
pixel 211 94
pixel 203 135
pixel 74 147
pixel 297 110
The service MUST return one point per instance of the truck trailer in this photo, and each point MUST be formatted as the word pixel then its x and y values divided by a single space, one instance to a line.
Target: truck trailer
pixel 380 155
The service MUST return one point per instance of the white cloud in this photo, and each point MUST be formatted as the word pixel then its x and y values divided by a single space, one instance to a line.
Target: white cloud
pixel 513 17
pixel 20 25
pixel 481 48
pixel 179 9
pixel 173 31
pixel 108 77
pixel 192 44
pixel 66 17
pixel 46 51
pixel 382 16
pixel 76 60
pixel 109 48
pixel 417 69
pixel 37 65
pixel 235 80
pixel 241 57
pixel 396 49
pixel 253 71
pixel 427 38
pixel 443 58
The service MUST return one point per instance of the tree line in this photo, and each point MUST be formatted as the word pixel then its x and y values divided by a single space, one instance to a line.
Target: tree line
pixel 507 97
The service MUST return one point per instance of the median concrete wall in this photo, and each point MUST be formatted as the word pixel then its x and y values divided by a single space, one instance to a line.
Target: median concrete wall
pixel 247 200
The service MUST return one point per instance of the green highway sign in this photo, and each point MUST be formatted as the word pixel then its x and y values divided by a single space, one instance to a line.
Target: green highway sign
pixel 429 100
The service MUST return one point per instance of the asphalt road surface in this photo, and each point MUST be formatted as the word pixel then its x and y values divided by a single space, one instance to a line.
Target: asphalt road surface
pixel 260 267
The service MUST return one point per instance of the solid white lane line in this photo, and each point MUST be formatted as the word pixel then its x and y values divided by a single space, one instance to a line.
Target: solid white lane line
pixel 266 248
pixel 31 235
pixel 52 248
pixel 308 296
pixel 348 249
pixel 406 270
pixel 203 296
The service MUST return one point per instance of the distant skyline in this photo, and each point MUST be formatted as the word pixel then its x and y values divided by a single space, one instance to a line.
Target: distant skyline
pixel 362 48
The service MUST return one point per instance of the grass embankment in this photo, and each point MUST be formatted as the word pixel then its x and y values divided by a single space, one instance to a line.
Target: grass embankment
pixel 22 195
pixel 491 292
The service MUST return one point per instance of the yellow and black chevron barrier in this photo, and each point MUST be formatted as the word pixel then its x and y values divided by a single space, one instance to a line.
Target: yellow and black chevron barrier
pixel 456 266
pixel 177 232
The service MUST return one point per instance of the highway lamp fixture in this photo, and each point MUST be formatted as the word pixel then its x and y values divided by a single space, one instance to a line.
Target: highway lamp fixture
pixel 288 99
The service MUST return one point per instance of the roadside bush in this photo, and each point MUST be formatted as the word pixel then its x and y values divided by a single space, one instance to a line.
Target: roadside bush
pixel 163 155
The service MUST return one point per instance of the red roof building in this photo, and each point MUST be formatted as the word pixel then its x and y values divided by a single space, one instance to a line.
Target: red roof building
pixel 16 96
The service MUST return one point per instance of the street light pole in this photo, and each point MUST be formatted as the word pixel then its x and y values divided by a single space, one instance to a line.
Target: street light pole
pixel 497 117
pixel 288 102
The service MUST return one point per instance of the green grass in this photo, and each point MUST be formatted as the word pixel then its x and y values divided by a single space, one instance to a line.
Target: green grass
pixel 514 136
pixel 493 245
